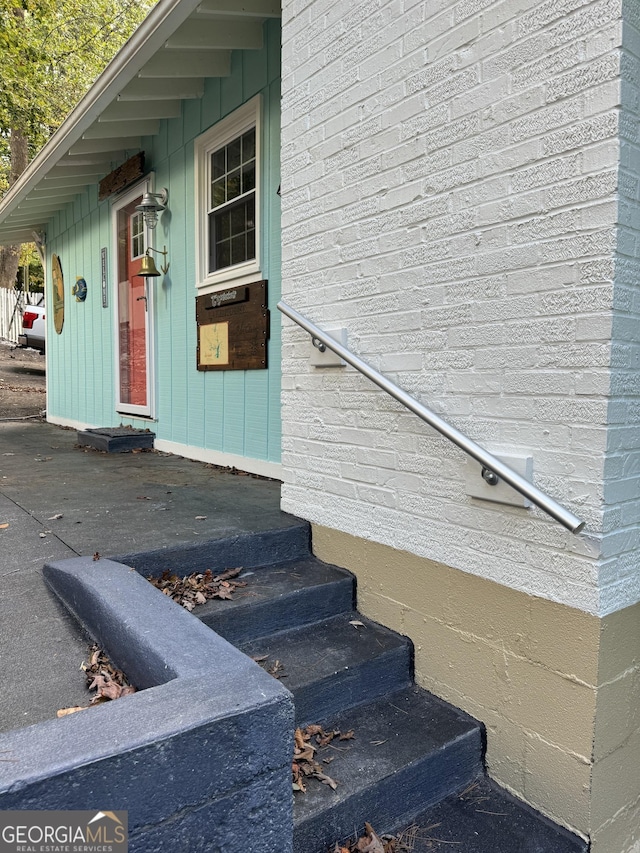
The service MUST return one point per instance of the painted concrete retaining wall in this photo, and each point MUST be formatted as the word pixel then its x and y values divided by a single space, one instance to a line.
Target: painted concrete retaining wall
pixel 200 757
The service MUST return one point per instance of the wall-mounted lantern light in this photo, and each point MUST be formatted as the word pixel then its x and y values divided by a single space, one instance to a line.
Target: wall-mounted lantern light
pixel 148 268
pixel 151 204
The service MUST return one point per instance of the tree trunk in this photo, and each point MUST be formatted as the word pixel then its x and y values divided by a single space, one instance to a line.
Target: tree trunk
pixel 10 255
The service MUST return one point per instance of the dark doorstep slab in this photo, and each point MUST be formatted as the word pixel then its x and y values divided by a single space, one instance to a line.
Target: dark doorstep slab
pixel 116 439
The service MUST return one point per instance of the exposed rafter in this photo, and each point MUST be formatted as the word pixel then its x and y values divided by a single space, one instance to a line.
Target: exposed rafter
pixel 187 63
pixel 100 146
pixel 135 110
pixel 237 35
pixel 143 90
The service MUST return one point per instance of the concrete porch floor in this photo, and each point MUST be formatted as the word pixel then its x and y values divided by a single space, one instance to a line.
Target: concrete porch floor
pixel 113 504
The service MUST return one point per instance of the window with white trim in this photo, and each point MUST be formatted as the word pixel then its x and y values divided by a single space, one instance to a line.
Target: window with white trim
pixel 227 193
pixel 137 235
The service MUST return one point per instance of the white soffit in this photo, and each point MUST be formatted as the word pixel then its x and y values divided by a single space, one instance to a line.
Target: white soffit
pixel 166 61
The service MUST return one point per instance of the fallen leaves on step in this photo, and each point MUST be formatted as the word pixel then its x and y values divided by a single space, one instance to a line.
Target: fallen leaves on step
pixel 275 668
pixel 403 842
pixel 104 678
pixel 370 842
pixel 308 742
pixel 197 588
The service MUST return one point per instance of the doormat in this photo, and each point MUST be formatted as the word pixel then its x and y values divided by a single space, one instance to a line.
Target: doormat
pixel 116 439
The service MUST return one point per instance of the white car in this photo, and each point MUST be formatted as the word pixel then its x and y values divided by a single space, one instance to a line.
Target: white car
pixel 33 327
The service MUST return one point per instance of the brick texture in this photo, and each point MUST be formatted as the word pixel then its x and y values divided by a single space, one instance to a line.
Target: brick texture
pixel 460 191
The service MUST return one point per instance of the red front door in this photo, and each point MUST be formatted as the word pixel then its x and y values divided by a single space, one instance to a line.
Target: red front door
pixel 133 312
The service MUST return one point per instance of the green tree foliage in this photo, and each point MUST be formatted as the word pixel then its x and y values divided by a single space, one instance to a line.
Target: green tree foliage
pixel 51 51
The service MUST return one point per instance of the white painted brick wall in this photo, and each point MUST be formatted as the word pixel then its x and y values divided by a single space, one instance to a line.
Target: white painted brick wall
pixel 451 195
pixel 620 569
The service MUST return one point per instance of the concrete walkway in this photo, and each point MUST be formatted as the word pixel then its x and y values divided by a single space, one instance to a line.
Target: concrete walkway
pixel 58 501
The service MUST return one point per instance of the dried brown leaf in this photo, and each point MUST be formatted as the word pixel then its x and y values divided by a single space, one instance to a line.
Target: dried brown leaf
pixel 64 712
pixel 326 780
pixel 371 842
pixel 196 588
pixel 307 743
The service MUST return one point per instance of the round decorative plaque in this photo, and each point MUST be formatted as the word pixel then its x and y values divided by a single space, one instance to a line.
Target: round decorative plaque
pixel 58 294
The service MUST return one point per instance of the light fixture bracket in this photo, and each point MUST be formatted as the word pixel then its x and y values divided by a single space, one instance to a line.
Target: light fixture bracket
pixel 151 204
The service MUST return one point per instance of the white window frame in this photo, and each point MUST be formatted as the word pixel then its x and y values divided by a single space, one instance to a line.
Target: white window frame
pixel 244 118
pixel 139 237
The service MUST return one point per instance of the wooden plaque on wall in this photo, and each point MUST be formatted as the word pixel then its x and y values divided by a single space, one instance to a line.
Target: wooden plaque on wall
pixel 233 328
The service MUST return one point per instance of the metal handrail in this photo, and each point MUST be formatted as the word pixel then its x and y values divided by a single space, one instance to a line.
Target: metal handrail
pixel 486 459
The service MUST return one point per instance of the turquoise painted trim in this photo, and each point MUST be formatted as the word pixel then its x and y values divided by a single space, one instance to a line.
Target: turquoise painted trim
pixel 235 412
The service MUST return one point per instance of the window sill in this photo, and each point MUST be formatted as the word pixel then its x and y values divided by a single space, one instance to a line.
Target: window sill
pixel 229 278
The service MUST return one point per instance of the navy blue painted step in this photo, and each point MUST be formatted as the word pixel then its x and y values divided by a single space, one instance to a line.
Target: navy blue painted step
pixel 279 597
pixel 483 818
pixel 336 663
pixel 416 762
pixel 410 749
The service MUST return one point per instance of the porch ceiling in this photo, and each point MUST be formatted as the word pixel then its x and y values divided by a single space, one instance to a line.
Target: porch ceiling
pixel 166 61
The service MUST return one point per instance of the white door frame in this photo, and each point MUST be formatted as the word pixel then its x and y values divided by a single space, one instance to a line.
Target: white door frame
pixel 128 408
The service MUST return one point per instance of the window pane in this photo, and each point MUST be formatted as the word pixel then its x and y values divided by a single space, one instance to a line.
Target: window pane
pixel 223 226
pixel 218 195
pixel 217 163
pixel 238 222
pixel 249 145
pixel 232 235
pixel 223 254
pixel 238 249
pixel 233 185
pixel 137 235
pixel 248 177
pixel 233 154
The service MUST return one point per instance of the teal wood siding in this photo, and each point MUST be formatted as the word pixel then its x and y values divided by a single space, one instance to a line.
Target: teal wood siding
pixel 236 412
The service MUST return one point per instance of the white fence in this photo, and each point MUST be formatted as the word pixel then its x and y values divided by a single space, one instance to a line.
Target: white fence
pixel 12 304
